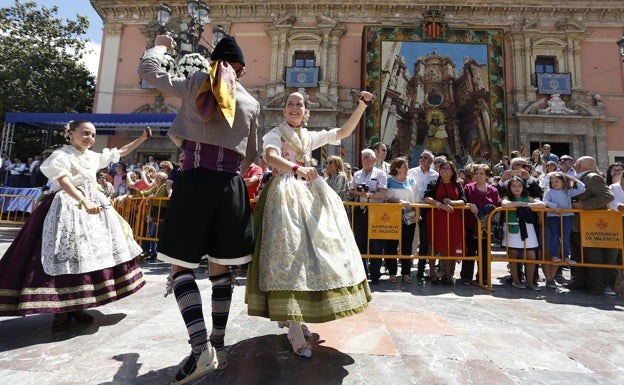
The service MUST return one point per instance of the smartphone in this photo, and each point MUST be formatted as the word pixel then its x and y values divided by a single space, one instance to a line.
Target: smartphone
pixel 516 172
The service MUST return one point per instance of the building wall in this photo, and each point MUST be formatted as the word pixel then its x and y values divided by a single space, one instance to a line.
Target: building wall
pixel 580 34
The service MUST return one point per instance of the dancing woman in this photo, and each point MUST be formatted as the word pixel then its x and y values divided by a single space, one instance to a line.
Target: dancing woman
pixel 306 265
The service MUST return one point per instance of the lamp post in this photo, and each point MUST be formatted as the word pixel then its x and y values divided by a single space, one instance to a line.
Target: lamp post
pixel 189 34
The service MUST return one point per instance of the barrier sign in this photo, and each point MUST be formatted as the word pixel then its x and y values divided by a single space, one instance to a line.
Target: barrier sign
pixel 601 229
pixel 384 222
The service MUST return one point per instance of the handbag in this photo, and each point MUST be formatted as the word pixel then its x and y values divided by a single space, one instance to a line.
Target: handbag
pixel 409 215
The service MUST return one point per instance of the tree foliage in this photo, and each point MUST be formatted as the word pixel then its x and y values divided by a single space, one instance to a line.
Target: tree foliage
pixel 40 68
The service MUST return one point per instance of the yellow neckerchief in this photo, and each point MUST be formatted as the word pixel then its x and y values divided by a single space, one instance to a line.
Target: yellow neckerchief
pixel 218 89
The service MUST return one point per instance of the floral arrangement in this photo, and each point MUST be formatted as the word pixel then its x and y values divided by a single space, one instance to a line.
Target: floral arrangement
pixel 169 65
pixel 192 62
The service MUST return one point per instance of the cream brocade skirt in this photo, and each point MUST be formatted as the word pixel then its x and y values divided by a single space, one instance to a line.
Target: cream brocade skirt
pixel 306 264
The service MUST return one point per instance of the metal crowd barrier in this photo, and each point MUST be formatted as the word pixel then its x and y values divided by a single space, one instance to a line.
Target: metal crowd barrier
pixel 145 222
pixel 385 223
pixel 387 220
pixel 606 230
pixel 13 208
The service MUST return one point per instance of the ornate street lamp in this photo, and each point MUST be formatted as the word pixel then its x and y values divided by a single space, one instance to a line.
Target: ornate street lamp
pixel 188 34
pixel 218 33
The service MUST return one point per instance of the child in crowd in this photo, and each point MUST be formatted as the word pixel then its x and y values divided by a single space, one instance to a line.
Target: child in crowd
pixel 519 234
pixel 559 197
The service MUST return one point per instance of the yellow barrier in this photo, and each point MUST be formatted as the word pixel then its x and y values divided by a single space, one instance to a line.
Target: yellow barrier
pixel 9 208
pixel 143 216
pixel 598 228
pixel 385 223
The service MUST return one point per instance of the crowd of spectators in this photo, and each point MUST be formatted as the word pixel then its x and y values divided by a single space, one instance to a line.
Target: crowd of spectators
pixel 20 174
pixel 540 180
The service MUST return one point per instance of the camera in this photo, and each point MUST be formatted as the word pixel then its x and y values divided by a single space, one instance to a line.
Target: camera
pixel 362 187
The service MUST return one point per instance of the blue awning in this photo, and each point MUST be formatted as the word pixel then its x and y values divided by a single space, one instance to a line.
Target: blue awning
pixel 99 120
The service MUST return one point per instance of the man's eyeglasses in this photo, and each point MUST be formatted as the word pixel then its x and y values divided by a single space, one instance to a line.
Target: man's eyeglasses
pixel 368 157
pixel 425 157
pixel 437 162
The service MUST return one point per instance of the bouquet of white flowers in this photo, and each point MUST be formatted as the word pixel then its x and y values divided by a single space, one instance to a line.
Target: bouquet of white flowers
pixel 169 65
pixel 192 62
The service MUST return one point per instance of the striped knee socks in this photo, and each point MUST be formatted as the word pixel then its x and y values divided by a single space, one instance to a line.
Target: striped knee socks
pixel 190 305
pixel 221 300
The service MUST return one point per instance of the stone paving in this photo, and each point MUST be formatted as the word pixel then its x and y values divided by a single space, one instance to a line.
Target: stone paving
pixel 410 334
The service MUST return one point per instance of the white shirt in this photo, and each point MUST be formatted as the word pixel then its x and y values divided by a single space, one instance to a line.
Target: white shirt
pixel 618 192
pixel 375 180
pixel 422 179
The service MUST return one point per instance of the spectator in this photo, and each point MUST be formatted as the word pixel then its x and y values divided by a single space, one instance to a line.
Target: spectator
pixel 520 167
pixel 122 189
pixel 559 197
pixel 166 167
pixel 597 196
pixel 482 199
pixel 253 179
pixel 132 177
pixel 17 169
pixel 537 162
pixel 37 179
pixel 402 189
pixel 437 161
pixel 120 169
pixel 348 171
pixel 152 162
pixel 368 185
pixel 336 178
pixel 381 153
pixel 445 223
pixel 423 174
pixel 503 165
pixel 173 175
pixel 157 212
pixel 107 187
pixel 547 155
pixel 614 176
pixel 519 232
pixel 544 179
pixel 26 175
pixel 614 173
pixel 566 163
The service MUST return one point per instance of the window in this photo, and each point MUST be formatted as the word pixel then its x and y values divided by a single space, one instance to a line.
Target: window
pixel 545 65
pixel 304 59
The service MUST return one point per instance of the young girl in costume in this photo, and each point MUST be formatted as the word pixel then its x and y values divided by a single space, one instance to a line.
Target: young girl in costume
pixel 306 265
pixel 519 232
pixel 74 252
